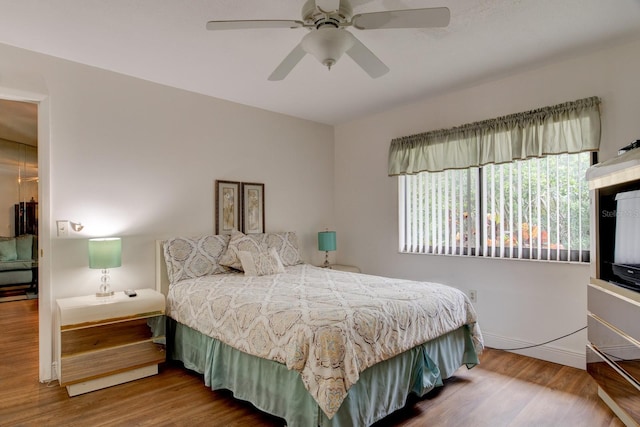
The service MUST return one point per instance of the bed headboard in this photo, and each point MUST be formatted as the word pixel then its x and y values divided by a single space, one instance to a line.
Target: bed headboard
pixel 162 278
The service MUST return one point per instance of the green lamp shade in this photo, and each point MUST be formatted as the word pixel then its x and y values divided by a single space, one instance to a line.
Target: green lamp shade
pixel 105 253
pixel 327 241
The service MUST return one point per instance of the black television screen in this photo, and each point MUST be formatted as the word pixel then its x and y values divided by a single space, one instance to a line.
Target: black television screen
pixel 629 275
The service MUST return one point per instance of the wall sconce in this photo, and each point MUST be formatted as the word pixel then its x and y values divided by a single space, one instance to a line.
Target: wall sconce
pixel 104 254
pixel 326 243
pixel 76 226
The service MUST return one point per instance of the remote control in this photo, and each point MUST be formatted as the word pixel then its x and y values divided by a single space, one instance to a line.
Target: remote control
pixel 130 292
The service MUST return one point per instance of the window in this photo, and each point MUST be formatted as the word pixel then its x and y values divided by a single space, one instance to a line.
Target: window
pixel 510 187
pixel 527 209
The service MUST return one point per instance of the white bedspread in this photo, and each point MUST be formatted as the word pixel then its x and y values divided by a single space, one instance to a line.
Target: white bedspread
pixel 328 325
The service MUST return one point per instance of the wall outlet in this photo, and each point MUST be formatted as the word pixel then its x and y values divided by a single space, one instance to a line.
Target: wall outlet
pixel 473 295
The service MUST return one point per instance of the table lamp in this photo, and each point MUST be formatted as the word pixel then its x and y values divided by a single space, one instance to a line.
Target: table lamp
pixel 104 254
pixel 326 243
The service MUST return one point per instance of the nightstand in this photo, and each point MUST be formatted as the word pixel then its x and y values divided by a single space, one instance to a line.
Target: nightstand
pixel 341 267
pixel 109 340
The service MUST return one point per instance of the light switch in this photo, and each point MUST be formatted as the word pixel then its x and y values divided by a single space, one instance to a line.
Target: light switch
pixel 63 228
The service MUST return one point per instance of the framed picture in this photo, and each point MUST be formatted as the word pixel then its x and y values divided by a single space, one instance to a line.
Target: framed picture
pixel 228 202
pixel 252 208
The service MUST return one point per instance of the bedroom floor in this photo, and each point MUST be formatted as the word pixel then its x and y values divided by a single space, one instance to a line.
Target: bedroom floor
pixel 505 390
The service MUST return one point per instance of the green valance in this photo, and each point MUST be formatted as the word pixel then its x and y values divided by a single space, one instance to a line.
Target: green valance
pixel 571 127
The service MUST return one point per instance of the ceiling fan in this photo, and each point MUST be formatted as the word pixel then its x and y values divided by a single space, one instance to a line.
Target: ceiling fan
pixel 328 39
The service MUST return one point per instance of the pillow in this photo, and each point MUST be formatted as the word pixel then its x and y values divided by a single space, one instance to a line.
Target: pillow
pixel 24 246
pixel 286 244
pixel 242 242
pixel 8 250
pixel 188 258
pixel 260 263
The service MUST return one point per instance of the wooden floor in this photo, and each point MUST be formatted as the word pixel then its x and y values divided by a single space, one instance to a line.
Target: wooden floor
pixel 505 390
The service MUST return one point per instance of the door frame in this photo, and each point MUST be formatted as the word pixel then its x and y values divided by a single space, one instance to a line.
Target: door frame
pixel 46 371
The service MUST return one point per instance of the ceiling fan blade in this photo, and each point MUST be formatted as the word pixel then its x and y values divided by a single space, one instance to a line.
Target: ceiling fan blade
pixel 328 5
pixel 251 24
pixel 367 60
pixel 410 18
pixel 288 63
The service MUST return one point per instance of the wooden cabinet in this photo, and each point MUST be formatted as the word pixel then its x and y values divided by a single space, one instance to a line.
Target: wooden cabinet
pixel 104 341
pixel 613 352
pixel 613 318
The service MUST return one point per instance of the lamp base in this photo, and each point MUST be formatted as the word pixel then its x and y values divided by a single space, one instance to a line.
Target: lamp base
pixel 104 294
pixel 326 260
pixel 105 288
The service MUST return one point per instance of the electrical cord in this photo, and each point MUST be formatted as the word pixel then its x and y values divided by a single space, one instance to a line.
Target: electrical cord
pixel 544 343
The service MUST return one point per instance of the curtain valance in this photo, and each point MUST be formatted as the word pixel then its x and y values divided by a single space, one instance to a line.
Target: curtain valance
pixel 571 127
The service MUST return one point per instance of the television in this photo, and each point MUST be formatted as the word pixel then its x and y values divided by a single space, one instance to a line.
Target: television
pixel 626 259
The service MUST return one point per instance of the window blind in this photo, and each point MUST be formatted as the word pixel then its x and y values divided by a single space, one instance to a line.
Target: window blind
pixel 510 187
pixel 528 209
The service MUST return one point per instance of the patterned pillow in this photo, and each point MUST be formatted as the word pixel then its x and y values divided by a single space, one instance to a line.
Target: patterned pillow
pixel 241 242
pixel 260 263
pixel 191 257
pixel 285 244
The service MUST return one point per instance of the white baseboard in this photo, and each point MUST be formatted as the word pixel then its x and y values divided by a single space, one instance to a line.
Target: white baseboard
pixel 52 375
pixel 545 352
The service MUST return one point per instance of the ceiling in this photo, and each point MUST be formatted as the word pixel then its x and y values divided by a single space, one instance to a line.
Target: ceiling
pixel 165 41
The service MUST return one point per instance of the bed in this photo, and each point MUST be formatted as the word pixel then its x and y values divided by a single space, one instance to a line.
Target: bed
pixel 314 346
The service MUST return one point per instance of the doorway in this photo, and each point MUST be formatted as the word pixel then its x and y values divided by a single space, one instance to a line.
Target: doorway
pixel 40 97
pixel 19 196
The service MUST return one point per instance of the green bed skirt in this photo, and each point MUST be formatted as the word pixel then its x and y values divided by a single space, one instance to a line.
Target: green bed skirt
pixel 271 387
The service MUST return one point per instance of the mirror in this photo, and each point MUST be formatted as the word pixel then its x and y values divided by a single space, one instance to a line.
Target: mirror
pixel 18 168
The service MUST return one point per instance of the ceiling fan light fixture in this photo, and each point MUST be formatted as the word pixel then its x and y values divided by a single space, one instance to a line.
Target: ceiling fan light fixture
pixel 327 44
pixel 328 40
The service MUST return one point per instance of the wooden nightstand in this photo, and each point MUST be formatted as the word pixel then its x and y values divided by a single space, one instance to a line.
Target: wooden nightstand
pixel 108 341
pixel 341 267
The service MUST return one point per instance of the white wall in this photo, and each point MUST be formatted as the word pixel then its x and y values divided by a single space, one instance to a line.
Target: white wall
pixel 519 302
pixel 139 160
